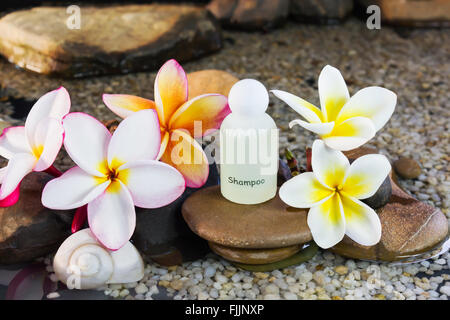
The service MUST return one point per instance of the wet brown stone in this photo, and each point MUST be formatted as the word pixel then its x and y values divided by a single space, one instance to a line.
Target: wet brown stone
pixel 111 39
pixel 271 224
pixel 28 230
pixel 409 227
pixel 254 256
pixel 210 81
pixel 250 14
pixel 407 168
pixel 171 258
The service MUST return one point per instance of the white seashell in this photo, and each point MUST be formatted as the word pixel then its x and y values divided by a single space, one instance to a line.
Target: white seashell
pixel 81 262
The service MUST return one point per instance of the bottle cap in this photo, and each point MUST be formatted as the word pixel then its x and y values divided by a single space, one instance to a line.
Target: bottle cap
pixel 248 97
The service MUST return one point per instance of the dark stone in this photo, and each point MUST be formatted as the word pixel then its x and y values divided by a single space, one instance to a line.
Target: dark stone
pixel 407 168
pixel 163 236
pixel 254 256
pixel 320 11
pixel 18 4
pixel 28 230
pixel 111 39
pixel 250 14
pixel 382 196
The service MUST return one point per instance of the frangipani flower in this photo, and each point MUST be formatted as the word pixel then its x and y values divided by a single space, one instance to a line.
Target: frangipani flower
pixel 32 147
pixel 343 123
pixel 332 192
pixel 177 116
pixel 114 174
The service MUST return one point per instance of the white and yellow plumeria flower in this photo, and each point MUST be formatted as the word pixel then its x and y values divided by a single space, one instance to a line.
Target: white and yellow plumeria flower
pixel 332 192
pixel 32 147
pixel 342 122
pixel 114 173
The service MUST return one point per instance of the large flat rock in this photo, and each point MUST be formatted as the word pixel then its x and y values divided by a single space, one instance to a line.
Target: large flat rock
pixel 271 224
pixel 112 39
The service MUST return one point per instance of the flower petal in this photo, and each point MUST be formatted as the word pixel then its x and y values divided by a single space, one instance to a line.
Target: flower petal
pixel 375 103
pixel 171 89
pixel 164 142
pixel 54 104
pixel 112 217
pixel 49 136
pixel 304 191
pixel 12 141
pixel 326 222
pixel 18 167
pixel 350 134
pixel 207 110
pixel 365 175
pixel 319 128
pixel 138 137
pixel 333 92
pixel 73 189
pixel 328 165
pixel 187 156
pixel 307 110
pixel 11 199
pixel 86 141
pixel 124 105
pixel 362 223
pixel 152 184
pixel 3 173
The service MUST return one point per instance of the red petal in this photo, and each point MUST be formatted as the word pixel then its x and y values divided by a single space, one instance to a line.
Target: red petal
pixel 79 218
pixel 11 199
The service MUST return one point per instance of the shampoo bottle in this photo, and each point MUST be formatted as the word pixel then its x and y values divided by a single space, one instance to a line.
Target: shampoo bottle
pixel 248 146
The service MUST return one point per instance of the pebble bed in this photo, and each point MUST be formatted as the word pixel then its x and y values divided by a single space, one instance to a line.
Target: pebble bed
pixel 414 64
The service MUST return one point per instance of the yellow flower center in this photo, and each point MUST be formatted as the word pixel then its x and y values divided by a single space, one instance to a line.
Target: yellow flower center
pixel 112 174
pixel 37 151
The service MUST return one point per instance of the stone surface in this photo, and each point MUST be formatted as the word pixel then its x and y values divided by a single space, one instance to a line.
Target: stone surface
pixel 271 224
pixel 307 252
pixel 407 168
pixel 320 11
pixel 254 256
pixel 419 13
pixel 15 4
pixel 162 235
pixel 409 227
pixel 27 229
pixel 112 39
pixel 250 14
pixel 210 81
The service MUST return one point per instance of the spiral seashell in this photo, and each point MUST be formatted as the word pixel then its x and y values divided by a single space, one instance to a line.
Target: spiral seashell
pixel 81 262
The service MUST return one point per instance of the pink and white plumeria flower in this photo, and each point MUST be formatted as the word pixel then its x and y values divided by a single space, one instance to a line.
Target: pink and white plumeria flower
pixel 114 173
pixel 32 147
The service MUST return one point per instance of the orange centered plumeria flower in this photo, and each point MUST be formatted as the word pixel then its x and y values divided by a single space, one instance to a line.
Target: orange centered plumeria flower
pixel 177 118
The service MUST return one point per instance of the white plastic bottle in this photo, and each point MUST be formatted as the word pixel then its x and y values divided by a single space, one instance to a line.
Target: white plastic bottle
pixel 248 146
